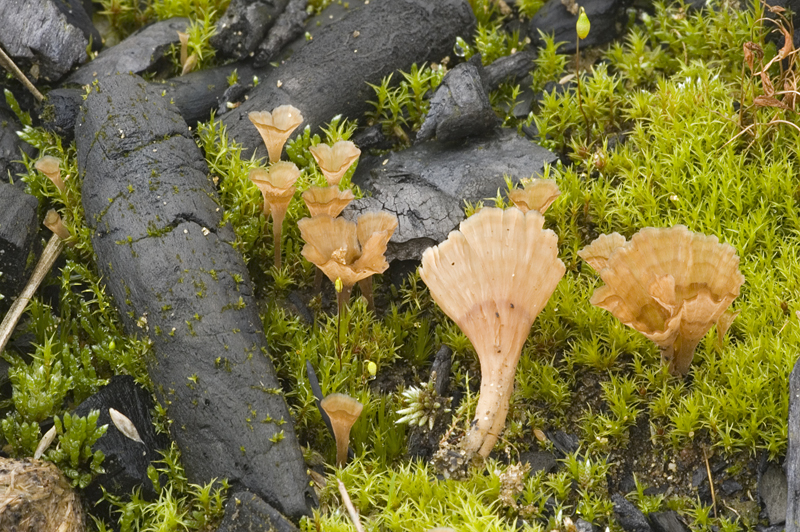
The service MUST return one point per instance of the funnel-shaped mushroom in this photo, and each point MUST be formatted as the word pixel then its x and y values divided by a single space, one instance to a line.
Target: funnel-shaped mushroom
pixel 50 166
pixel 343 412
pixel 536 195
pixel 492 278
pixel 669 284
pixel 276 127
pixel 341 251
pixel 368 224
pixel 52 221
pixel 327 200
pixel 597 253
pixel 277 186
pixel 335 160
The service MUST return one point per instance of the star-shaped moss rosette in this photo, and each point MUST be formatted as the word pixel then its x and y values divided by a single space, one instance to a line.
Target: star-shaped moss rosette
pixel 492 277
pixel 277 187
pixel 342 252
pixel 336 160
pixel 670 284
pixel 276 127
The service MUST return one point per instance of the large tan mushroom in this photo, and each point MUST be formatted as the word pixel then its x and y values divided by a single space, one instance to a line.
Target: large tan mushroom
pixel 535 195
pixel 334 161
pixel 51 167
pixel 493 277
pixel 277 186
pixel 327 200
pixel 343 412
pixel 371 223
pixel 336 247
pixel 670 284
pixel 276 127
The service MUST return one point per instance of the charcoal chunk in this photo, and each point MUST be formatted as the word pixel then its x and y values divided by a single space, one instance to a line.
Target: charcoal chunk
pixel 19 226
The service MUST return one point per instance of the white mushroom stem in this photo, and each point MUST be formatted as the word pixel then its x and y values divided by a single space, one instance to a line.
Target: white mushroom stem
pixel 490 414
pixel 45 264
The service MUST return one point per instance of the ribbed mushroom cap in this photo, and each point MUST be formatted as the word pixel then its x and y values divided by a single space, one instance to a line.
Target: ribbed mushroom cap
pixel 375 222
pixel 493 277
pixel 671 285
pixel 276 127
pixel 343 412
pixel 276 183
pixel 536 195
pixel 51 167
pixel 334 161
pixel 597 253
pixel 327 200
pixel 332 245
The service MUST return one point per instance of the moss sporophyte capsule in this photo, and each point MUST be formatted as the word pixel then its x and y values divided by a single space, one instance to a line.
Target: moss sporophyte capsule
pixel 583 25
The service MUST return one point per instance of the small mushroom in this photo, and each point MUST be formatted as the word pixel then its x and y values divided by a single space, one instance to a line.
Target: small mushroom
pixel 334 246
pixel 53 222
pixel 184 39
pixel 343 412
pixel 277 186
pixel 276 127
pixel 327 200
pixel 50 166
pixel 535 195
pixel 368 224
pixel 670 284
pixel 334 161
pixel 493 277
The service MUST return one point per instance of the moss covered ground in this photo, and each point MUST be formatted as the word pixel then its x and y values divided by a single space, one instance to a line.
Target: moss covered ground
pixel 673 131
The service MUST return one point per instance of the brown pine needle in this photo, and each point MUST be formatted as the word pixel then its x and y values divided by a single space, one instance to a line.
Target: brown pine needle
pixel 9 65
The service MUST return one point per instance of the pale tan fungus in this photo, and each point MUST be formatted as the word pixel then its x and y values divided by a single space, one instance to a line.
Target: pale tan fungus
pixel 277 187
pixel 276 127
pixel 327 200
pixel 597 253
pixel 51 167
pixel 184 39
pixel 52 221
pixel 334 161
pixel 332 244
pixel 343 412
pixel 535 195
pixel 671 285
pixel 371 223
pixel 493 277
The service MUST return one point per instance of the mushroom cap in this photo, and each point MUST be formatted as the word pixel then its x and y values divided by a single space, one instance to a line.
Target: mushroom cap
pixel 342 409
pixel 276 182
pixel 335 160
pixel 493 277
pixel 374 222
pixel 597 253
pixel 536 195
pixel 276 127
pixel 332 245
pixel 327 200
pixel 49 166
pixel 52 221
pixel 671 285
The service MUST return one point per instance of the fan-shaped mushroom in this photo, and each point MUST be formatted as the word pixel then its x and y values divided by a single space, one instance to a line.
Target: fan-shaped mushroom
pixel 492 277
pixel 535 195
pixel 327 200
pixel 277 186
pixel 276 127
pixel 336 246
pixel 669 284
pixel 50 166
pixel 334 161
pixel 343 412
pixel 368 224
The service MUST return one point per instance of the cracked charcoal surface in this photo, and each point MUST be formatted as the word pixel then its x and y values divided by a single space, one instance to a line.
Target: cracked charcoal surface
pixel 329 75
pixel 37 32
pixel 173 273
pixel 290 25
pixel 608 19
pixel 244 25
pixel 11 148
pixel 425 186
pixel 19 225
pixel 247 512
pixel 137 53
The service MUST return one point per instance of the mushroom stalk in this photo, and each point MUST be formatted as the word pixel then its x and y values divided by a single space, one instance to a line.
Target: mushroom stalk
pixel 45 264
pixel 343 297
pixel 277 229
pixel 366 290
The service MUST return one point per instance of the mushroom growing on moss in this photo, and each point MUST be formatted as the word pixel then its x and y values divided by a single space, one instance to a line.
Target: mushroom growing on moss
pixel 372 223
pixel 670 284
pixel 52 221
pixel 334 161
pixel 50 166
pixel 343 412
pixel 493 277
pixel 341 251
pixel 277 187
pixel 535 195
pixel 327 200
pixel 276 127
